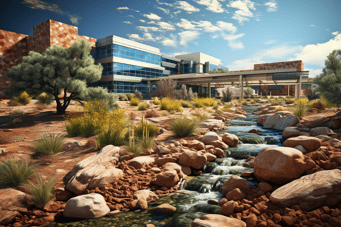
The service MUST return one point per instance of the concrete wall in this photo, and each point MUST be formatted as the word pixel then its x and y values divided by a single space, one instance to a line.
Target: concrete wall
pixel 13 46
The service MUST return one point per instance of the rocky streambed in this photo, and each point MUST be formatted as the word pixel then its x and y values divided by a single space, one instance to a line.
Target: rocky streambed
pixel 200 194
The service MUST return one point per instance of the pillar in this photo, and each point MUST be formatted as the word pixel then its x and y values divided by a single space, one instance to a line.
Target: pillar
pixel 295 90
pixel 209 89
pixel 150 87
pixel 288 89
pixel 299 87
pixel 241 87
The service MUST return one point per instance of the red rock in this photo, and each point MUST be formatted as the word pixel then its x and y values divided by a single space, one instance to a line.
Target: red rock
pixel 253 131
pixel 219 144
pixel 142 204
pixel 246 174
pixel 265 187
pixel 228 208
pixel 222 202
pixel 236 182
pixel 236 195
pixel 215 220
pixel 218 152
pixel 277 218
pixel 166 179
pixel 63 195
pixel 230 139
pixel 309 143
pixel 210 157
pixel 193 159
pixel 8 217
pixel 164 208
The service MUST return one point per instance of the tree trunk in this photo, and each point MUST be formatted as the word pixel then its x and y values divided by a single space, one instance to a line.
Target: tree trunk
pixel 61 109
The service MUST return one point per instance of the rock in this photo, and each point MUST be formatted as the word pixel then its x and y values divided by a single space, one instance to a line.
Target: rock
pixel 236 182
pixel 310 191
pixel 287 121
pixel 309 143
pixel 162 161
pixel 253 131
pixel 3 151
pixel 166 179
pixel 91 143
pixel 139 162
pixel 250 138
pixel 192 159
pixel 251 220
pixel 62 195
pixel 264 187
pixel 210 157
pixel 209 137
pixel 218 152
pixel 10 197
pixel 246 174
pixel 219 144
pixel 228 208
pixel 142 203
pixel 86 206
pixel 301 148
pixel 236 195
pixel 230 139
pixel 164 208
pixel 279 165
pixel 215 220
pixel 95 171
pixel 320 131
pixel 193 143
pixel 186 170
pixel 212 123
pixel 262 118
pixel 271 120
pixel 212 201
pixel 173 166
pixel 146 195
pixel 290 132
pixel 200 146
pixel 8 217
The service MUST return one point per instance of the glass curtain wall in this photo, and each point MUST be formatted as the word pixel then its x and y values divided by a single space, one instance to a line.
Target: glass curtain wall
pixel 130 70
pixel 123 86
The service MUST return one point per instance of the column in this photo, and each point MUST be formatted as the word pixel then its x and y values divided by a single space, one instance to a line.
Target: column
pixel 150 87
pixel 299 86
pixel 295 90
pixel 209 89
pixel 241 87
pixel 288 89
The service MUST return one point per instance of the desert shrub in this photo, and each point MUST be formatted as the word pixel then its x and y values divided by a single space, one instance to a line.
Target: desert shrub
pixel 201 116
pixel 248 91
pixel 274 103
pixel 111 136
pixel 228 105
pixel 300 107
pixel 183 126
pixel 165 113
pixel 132 145
pixel 279 109
pixel 45 98
pixel 146 141
pixel 182 93
pixel 23 98
pixel 170 104
pixel 130 96
pixel 215 106
pixel 134 101
pixel 327 104
pixel 253 102
pixel 289 101
pixel 226 109
pixel 12 102
pixel 186 104
pixel 17 120
pixel 123 97
pixel 138 94
pixel 14 173
pixel 42 191
pixel 166 88
pixel 151 113
pixel 144 125
pixel 244 102
pixel 201 102
pixel 302 101
pixel 143 106
pixel 156 102
pixel 97 118
pixel 191 95
pixel 18 112
pixel 49 144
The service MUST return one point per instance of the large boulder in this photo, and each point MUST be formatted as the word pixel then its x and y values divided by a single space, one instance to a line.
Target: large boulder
pixel 290 132
pixel 212 124
pixel 139 162
pixel 308 142
pixel 193 159
pixel 174 166
pixel 287 121
pixel 219 144
pixel 310 191
pixel 95 171
pixel 271 120
pixel 262 118
pixel 230 139
pixel 236 182
pixel 86 206
pixel 166 179
pixel 321 131
pixel 145 195
pixel 209 137
pixel 279 165
pixel 215 220
pixel 12 200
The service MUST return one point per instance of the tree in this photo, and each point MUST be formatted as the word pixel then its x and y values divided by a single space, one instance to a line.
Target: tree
pixel 248 91
pixel 166 87
pixel 57 68
pixel 218 70
pixel 227 94
pixel 329 81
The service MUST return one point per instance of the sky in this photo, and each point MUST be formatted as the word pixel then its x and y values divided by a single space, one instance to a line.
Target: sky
pixel 240 33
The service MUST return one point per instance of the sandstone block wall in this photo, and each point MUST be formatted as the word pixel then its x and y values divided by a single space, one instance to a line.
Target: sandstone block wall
pixel 299 65
pixel 13 46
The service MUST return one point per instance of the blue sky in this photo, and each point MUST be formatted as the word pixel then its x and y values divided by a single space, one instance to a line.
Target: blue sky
pixel 239 32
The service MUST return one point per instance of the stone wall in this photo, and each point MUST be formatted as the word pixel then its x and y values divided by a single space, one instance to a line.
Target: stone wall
pixel 13 46
pixel 299 65
pixel 264 90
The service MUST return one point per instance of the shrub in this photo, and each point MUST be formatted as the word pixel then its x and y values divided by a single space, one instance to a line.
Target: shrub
pixel 289 101
pixel 111 136
pixel 201 116
pixel 253 102
pixel 42 191
pixel 228 105
pixel 327 104
pixel 201 102
pixel 123 97
pixel 156 102
pixel 49 144
pixel 134 101
pixel 23 98
pixel 132 145
pixel 18 112
pixel 170 104
pixel 182 93
pixel 144 125
pixel 186 104
pixel 138 94
pixel 151 113
pixel 143 106
pixel 279 109
pixel 248 91
pixel 215 106
pixel 301 107
pixel 183 127
pixel 14 173
pixel 226 109
pixel 45 98
pixel 130 96
pixel 191 95
pixel 302 101
pixel 12 102
pixel 274 103
pixel 146 141
pixel 244 102
pixel 166 88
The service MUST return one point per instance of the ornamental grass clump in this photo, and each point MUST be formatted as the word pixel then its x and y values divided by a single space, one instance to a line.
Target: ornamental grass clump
pixel 111 136
pixel 14 173
pixel 301 107
pixel 134 101
pixel 143 106
pixel 170 104
pixel 49 144
pixel 201 102
pixel 42 191
pixel 132 145
pixel 201 116
pixel 144 125
pixel 183 126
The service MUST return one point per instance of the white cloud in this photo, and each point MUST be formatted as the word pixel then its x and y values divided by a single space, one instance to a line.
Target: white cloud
pixel 143 21
pixel 207 26
pixel 186 7
pixel 281 51
pixel 127 22
pixel 136 37
pixel 185 24
pixel 187 36
pixel 233 42
pixel 164 10
pixel 147 29
pixel 161 3
pixel 169 41
pixel 335 33
pixel 313 72
pixel 151 22
pixel 227 26
pixel 269 42
pixel 313 25
pixel 122 8
pixel 152 16
pixel 131 16
pixel 214 36
pixel 212 5
pixel 272 6
pixel 166 26
pixel 179 11
pixel 243 13
pixel 148 36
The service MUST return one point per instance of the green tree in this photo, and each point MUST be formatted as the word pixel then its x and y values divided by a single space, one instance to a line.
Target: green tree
pixel 329 81
pixel 248 91
pixel 218 70
pixel 57 68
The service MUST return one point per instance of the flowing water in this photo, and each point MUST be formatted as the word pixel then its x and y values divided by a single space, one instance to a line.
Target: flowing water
pixel 201 188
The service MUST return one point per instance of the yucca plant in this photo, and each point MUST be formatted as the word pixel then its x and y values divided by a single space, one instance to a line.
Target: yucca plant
pixel 111 136
pixel 146 141
pixel 132 145
pixel 183 126
pixel 42 191
pixel 152 129
pixel 14 173
pixel 49 144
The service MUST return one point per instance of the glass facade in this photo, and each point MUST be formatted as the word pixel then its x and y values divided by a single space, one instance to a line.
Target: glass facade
pixel 130 70
pixel 126 52
pixel 186 68
pixel 123 86
pixel 173 71
pixel 275 86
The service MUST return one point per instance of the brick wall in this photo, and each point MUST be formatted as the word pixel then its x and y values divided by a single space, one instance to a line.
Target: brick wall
pixel 299 65
pixel 13 46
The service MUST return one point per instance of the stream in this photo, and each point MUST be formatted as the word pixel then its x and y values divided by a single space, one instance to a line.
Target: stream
pixel 201 188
